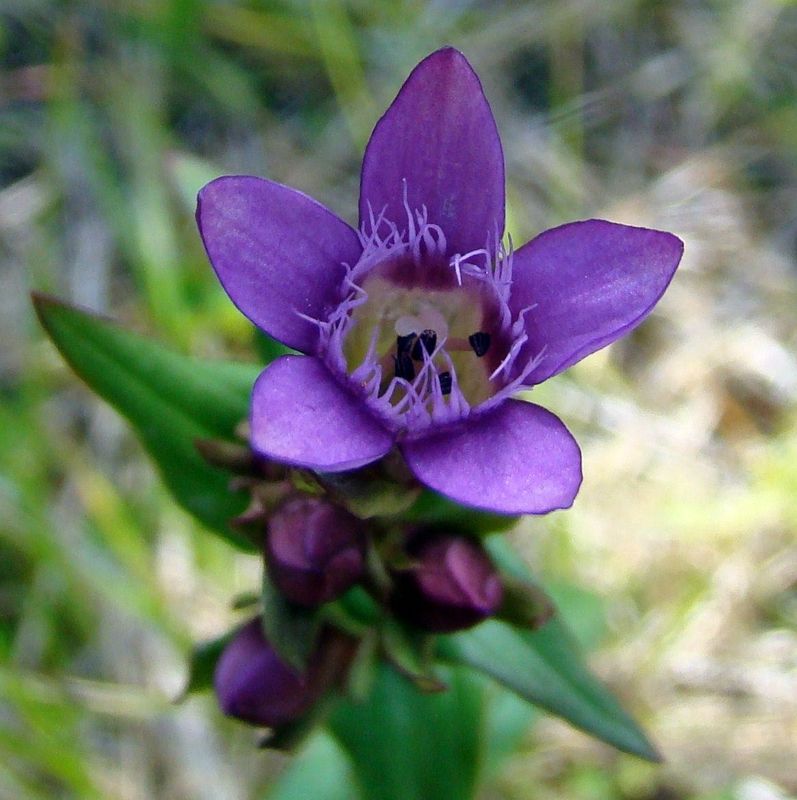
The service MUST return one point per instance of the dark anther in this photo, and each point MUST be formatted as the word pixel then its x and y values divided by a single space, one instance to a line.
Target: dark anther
pixel 404 366
pixel 428 339
pixel 480 342
pixel 404 343
pixel 445 382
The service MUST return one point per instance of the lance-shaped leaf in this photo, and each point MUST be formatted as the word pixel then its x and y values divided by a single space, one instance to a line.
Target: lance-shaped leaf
pixel 407 745
pixel 171 400
pixel 547 668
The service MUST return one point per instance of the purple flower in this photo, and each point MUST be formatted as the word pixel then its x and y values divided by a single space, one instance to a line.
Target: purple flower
pixel 253 684
pixel 315 551
pixel 419 327
pixel 452 585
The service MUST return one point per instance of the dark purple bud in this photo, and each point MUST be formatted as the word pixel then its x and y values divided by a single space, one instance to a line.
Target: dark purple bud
pixel 315 551
pixel 253 684
pixel 453 585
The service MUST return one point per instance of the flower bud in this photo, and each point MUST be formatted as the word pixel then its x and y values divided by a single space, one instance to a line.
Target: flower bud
pixel 315 551
pixel 254 685
pixel 451 586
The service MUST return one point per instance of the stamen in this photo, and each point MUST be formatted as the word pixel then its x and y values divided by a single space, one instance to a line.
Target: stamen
pixel 404 368
pixel 404 343
pixel 480 342
pixel 427 340
pixel 419 386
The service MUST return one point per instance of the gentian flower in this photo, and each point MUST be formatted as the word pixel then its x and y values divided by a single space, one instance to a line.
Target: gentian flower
pixel 417 328
pixel 451 585
pixel 315 550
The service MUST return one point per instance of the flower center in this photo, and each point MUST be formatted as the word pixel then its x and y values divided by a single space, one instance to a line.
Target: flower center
pixel 417 329
pixel 425 337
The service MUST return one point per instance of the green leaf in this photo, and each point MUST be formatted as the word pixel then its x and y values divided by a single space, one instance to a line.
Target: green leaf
pixel 321 771
pixel 547 668
pixel 291 629
pixel 507 719
pixel 583 611
pixel 171 400
pixel 406 745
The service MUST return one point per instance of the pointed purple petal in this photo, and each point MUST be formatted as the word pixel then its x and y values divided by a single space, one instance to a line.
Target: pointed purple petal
pixel 588 283
pixel 439 134
pixel 301 415
pixel 276 252
pixel 517 459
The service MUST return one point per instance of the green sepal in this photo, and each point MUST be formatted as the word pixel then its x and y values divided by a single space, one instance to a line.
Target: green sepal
pixel 291 629
pixel 524 604
pixel 245 600
pixel 364 667
pixel 411 652
pixel 171 400
pixel 232 457
pixel 361 606
pixel 367 495
pixel 202 664
pixel 433 509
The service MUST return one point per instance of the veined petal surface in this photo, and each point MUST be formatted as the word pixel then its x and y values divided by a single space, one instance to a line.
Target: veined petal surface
pixel 586 284
pixel 301 415
pixel 516 459
pixel 277 252
pixel 439 135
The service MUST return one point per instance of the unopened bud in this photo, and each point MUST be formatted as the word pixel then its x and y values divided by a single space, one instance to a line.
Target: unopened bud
pixel 315 551
pixel 452 584
pixel 254 685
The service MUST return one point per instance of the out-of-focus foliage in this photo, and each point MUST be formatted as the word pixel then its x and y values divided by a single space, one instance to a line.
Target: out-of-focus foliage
pixel 679 115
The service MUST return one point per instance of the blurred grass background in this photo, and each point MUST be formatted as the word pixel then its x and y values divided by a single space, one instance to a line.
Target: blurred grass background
pixel 679 115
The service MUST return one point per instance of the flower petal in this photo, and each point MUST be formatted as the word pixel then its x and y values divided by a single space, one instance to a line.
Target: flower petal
pixel 588 283
pixel 276 252
pixel 301 415
pixel 517 459
pixel 439 134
